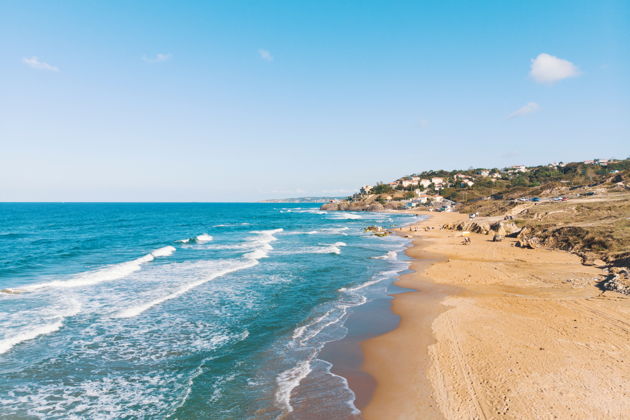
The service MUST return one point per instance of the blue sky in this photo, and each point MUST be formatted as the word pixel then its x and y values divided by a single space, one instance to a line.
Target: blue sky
pixel 233 100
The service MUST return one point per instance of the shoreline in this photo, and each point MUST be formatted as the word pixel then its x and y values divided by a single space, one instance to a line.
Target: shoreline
pixel 492 330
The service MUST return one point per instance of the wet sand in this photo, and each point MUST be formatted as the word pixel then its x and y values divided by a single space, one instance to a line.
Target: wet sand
pixel 496 331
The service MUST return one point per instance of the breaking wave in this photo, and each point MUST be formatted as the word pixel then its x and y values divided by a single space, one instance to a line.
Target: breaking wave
pixel 199 239
pixel 261 242
pixel 391 255
pixel 89 278
pixel 344 215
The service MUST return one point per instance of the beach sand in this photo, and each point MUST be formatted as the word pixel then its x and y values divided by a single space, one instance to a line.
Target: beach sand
pixel 496 331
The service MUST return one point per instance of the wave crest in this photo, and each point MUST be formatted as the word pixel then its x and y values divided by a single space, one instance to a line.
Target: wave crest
pixel 109 273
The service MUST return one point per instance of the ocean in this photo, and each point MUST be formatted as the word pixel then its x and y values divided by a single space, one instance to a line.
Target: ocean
pixel 183 311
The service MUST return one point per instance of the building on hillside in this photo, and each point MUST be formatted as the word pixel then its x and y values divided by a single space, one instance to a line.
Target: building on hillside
pixel 518 168
pixel 425 183
pixel 437 180
pixel 365 189
pixel 467 183
pixel 484 172
pixel 421 197
pixel 407 183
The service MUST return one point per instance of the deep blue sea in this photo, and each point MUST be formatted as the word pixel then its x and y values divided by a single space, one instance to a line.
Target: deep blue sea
pixel 182 311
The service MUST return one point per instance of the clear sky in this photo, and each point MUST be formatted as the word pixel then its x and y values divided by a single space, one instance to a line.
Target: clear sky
pixel 245 100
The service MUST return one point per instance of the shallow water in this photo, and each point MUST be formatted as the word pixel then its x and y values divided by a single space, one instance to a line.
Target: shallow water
pixel 182 310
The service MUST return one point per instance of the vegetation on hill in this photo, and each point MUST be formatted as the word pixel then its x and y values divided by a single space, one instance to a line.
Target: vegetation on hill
pixel 582 207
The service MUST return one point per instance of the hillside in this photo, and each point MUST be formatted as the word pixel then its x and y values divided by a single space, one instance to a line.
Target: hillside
pixel 580 207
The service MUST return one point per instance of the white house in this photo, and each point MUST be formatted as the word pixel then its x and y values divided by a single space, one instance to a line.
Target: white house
pixel 366 189
pixel 519 168
pixel 425 182
pixel 421 197
pixel 467 183
pixel 484 172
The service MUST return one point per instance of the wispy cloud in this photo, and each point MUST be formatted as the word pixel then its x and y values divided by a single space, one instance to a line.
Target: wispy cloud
pixel 524 110
pixel 36 63
pixel 265 55
pixel 549 69
pixel 157 58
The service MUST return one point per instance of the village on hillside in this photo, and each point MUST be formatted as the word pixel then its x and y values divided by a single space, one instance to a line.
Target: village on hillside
pixel 440 190
pixel 581 207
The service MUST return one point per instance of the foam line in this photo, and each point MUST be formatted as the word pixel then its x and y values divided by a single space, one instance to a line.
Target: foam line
pixel 89 278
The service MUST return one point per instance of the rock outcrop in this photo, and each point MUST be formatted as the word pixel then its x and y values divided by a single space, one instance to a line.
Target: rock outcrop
pixel 618 280
pixel 362 205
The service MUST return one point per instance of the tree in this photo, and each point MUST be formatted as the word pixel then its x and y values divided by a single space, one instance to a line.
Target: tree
pixel 381 188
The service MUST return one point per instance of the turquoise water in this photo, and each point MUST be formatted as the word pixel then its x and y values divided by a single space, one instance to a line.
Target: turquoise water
pixel 181 310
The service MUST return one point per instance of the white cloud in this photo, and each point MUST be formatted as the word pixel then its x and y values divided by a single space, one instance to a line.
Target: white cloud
pixel 549 69
pixel 157 58
pixel 36 63
pixel 265 55
pixel 524 110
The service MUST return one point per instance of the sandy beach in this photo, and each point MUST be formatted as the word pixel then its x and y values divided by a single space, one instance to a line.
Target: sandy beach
pixel 496 331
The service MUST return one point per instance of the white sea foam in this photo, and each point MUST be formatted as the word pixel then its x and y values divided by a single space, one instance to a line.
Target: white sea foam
pixel 163 252
pixel 232 224
pixel 379 278
pixel 323 231
pixel 203 238
pixel 391 255
pixel 331 249
pixel 261 242
pixel 302 210
pixel 333 316
pixel 324 249
pixel 199 239
pixel 138 309
pixel 350 402
pixel 8 343
pixel 288 380
pixel 299 331
pixel 345 216
pixel 89 278
pixel 30 332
